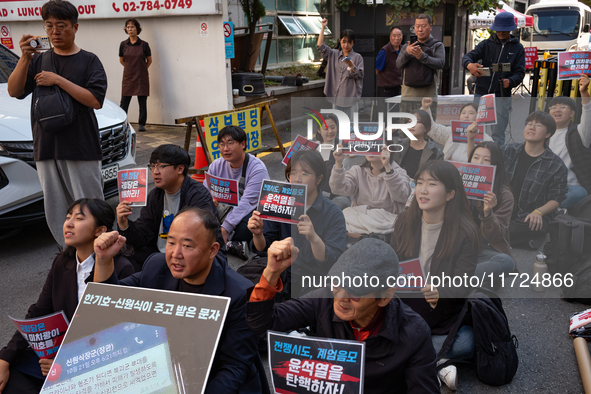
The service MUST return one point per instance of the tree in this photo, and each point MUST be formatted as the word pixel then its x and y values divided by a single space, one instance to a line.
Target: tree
pixel 253 10
pixel 427 6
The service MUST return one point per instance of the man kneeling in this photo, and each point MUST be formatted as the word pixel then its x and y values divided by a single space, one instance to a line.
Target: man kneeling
pixel 191 265
pixel 399 356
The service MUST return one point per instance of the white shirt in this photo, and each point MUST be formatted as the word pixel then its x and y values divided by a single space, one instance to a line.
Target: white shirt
pixel 83 270
pixel 558 146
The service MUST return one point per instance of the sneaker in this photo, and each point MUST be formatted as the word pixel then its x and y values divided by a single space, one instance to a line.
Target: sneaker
pixel 238 248
pixel 536 244
pixel 142 128
pixel 449 376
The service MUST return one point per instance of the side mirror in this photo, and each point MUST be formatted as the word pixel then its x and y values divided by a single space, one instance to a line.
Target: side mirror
pixel 586 28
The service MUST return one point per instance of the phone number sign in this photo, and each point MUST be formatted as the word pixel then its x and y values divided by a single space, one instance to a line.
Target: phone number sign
pixel 13 10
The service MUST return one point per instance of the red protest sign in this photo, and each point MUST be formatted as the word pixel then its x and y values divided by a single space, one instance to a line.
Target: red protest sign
pixel 410 276
pixel 459 133
pixel 44 334
pixel 300 143
pixel 223 190
pixel 531 55
pixel 572 64
pixel 281 201
pixel 478 179
pixel 362 147
pixel 133 186
pixel 487 113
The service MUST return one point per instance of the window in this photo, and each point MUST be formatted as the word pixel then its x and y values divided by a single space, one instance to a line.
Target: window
pixel 292 25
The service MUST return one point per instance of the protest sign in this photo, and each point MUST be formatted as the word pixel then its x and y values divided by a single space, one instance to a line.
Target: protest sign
pixel 580 324
pixel 133 186
pixel 44 334
pixel 410 276
pixel 138 340
pixel 300 143
pixel 572 64
pixel 459 133
pixel 531 55
pixel 247 120
pixel 487 113
pixel 315 365
pixel 478 179
pixel 357 146
pixel 223 190
pixel 282 201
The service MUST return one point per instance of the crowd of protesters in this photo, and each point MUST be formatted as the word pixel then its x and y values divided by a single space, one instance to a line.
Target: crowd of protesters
pixel 359 219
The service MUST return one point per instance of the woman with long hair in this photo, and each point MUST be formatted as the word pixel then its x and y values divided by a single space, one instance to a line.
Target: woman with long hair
pixel 454 151
pixel 21 370
pixel 438 229
pixel 415 153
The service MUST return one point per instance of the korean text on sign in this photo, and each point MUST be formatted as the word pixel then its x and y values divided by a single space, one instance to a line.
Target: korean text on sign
pixel 247 120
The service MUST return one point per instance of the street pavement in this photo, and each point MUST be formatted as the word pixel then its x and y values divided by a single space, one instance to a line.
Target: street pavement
pixel 547 362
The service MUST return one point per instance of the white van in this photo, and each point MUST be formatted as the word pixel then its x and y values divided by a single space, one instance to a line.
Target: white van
pixel 559 25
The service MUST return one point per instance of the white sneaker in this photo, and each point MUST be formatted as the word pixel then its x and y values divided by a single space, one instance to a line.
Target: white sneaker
pixel 449 376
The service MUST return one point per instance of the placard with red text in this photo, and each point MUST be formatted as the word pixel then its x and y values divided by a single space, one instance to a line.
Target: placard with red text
pixel 133 186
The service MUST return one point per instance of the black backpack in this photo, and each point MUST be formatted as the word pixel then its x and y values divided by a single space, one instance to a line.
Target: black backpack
pixel 52 107
pixel 569 245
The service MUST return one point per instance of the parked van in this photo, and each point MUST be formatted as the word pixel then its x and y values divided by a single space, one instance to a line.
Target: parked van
pixel 559 26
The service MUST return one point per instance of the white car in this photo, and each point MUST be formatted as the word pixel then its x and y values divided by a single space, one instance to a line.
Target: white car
pixel 21 196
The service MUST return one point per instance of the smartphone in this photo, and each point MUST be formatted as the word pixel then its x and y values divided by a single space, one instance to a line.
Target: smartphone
pixel 346 58
pixel 413 39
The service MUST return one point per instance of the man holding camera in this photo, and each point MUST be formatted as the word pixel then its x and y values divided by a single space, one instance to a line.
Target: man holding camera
pixel 502 68
pixel 68 160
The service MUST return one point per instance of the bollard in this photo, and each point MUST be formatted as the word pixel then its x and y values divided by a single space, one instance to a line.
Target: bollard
pixel 584 361
pixel 542 86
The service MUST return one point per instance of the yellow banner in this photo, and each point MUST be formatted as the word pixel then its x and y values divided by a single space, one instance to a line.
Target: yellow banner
pixel 248 120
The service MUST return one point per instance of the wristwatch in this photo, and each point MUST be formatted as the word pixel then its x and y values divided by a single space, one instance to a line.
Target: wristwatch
pixel 390 172
pixel 354 68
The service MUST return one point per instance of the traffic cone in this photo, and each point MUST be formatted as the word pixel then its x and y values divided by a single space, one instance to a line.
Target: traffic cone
pixel 200 160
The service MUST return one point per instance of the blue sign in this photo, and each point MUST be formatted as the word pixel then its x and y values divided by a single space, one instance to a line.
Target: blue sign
pixel 229 39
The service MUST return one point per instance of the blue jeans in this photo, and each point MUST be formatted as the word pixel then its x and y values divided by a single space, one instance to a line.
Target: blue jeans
pixel 491 261
pixel 503 108
pixel 575 194
pixel 463 346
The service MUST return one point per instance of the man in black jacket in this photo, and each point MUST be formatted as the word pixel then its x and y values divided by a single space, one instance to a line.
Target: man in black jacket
pixel 169 166
pixel 500 48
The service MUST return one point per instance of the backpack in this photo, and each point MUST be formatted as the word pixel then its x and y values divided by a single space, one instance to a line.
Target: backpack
pixel 569 244
pixel 580 291
pixel 53 108
pixel 418 75
pixel 253 270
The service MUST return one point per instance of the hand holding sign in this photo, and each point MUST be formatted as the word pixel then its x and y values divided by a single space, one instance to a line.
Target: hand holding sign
pixel 123 211
pixel 280 255
pixel 45 364
pixel 489 202
pixel 431 294
pixel 338 156
pixel 584 85
pixel 472 131
pixel 255 223
pixel 385 158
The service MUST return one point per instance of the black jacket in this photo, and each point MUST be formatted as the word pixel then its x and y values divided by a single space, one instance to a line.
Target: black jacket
pixel 144 231
pixel 430 152
pixel 491 52
pixel 580 156
pixel 400 359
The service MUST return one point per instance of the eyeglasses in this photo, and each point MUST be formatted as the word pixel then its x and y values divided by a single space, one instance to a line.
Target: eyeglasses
pixel 57 28
pixel 229 144
pixel 304 175
pixel 559 108
pixel 537 126
pixel 159 167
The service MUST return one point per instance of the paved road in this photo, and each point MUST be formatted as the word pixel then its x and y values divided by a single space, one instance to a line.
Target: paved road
pixel 547 361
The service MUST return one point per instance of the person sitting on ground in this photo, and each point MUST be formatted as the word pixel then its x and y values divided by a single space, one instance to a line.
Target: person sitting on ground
pixel 191 265
pixel 454 151
pixel 414 154
pixel 493 214
pixel 538 178
pixel 169 166
pixel 320 237
pixel 21 370
pixel 250 171
pixel 399 355
pixel 438 229
pixel 379 188
pixel 571 142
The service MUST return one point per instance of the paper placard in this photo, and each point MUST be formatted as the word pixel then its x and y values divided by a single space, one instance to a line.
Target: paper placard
pixel 282 201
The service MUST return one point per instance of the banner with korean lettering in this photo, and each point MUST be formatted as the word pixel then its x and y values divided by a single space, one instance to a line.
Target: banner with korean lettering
pixel 572 64
pixel 248 120
pixel 44 334
pixel 133 186
pixel 487 114
pixel 411 278
pixel 30 10
pixel 282 201
pixel 478 179
pixel 303 365
pixel 223 190
pixel 300 143
pixel 459 133
pixel 131 339
pixel 531 55
pixel 357 146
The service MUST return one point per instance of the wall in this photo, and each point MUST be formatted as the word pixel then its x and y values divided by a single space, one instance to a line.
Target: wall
pixel 189 74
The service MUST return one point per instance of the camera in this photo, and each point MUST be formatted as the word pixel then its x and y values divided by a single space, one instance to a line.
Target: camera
pixel 40 43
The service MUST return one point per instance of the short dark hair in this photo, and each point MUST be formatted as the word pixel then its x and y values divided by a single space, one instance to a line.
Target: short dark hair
pixel 136 23
pixel 234 132
pixel 209 220
pixel 395 27
pixel 349 34
pixel 102 213
pixel 60 9
pixel 314 160
pixel 563 100
pixel 424 16
pixel 171 154
pixel 545 119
